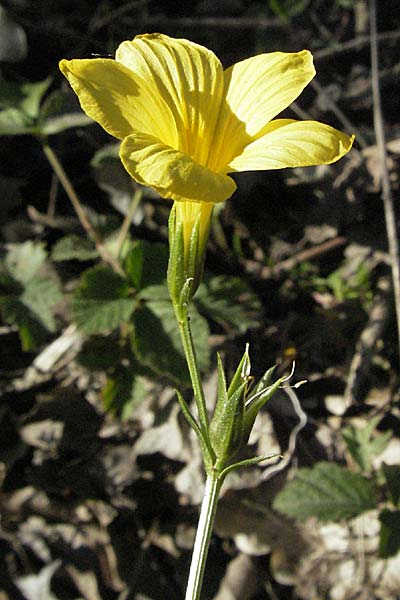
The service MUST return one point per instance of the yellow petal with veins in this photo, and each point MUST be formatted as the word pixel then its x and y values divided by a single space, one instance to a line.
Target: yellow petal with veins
pixel 256 90
pixel 119 100
pixel 288 143
pixel 190 80
pixel 172 173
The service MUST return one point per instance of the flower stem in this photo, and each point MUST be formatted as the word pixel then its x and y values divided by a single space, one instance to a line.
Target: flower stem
pixel 182 315
pixel 203 535
pixel 80 211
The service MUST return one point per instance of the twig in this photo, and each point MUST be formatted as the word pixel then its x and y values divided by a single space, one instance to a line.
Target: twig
pixel 123 232
pixel 350 128
pixel 265 272
pixel 388 204
pixel 354 44
pixel 366 344
pixel 80 211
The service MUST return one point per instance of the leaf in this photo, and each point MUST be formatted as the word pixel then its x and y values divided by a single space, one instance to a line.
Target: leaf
pixel 23 260
pixel 392 476
pixel 40 295
pixel 31 331
pixel 328 492
pixel 73 247
pixel 15 122
pixel 124 391
pixel 229 301
pixel 113 179
pixel 102 302
pixel 365 443
pixel 389 543
pixel 100 353
pixel 156 339
pixel 61 111
pixel 31 311
pixel 24 97
pixel 146 264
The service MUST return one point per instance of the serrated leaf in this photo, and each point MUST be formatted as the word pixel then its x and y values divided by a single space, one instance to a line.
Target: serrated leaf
pixel 23 260
pixel 73 247
pixel 392 476
pixel 229 301
pixel 146 264
pixel 30 308
pixel 328 492
pixel 102 302
pixel 40 295
pixel 100 353
pixel 389 543
pixel 365 443
pixel 157 344
pixel 30 330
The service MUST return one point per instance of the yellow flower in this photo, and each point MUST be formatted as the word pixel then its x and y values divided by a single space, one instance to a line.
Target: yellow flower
pixel 186 123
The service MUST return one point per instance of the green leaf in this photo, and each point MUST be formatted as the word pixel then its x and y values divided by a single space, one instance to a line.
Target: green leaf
pixel 40 295
pixel 15 122
pixel 230 302
pixel 392 476
pixel 61 111
pixel 31 311
pixel 328 492
pixel 389 543
pixel 146 264
pixel 102 302
pixel 25 97
pixel 27 300
pixel 124 391
pixel 24 260
pixel 30 330
pixel 100 353
pixel 157 344
pixel 365 443
pixel 73 247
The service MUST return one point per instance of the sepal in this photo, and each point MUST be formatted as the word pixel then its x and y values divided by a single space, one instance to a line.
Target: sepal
pixel 237 407
pixel 226 426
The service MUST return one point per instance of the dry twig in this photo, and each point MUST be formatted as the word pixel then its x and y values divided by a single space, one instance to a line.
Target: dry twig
pixel 390 218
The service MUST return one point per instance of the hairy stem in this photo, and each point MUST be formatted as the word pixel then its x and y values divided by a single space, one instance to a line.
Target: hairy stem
pixel 182 315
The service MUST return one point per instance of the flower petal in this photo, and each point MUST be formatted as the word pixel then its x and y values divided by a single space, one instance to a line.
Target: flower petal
pixel 172 173
pixel 190 80
pixel 256 90
pixel 110 94
pixel 288 143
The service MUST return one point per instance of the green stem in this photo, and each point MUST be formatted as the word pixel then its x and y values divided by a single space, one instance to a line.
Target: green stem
pixel 76 203
pixel 182 316
pixel 203 536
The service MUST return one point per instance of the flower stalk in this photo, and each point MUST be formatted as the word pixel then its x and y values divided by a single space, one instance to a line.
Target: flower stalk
pixel 211 122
